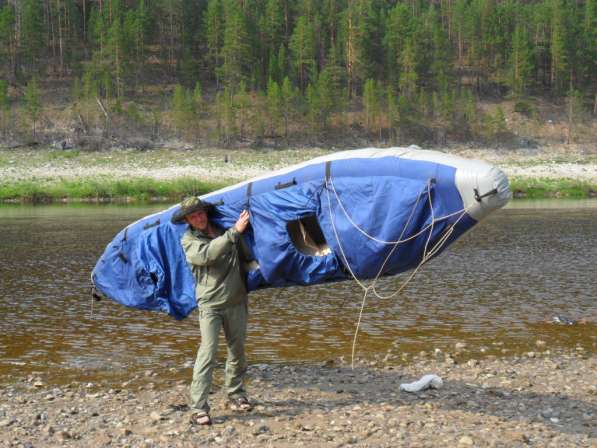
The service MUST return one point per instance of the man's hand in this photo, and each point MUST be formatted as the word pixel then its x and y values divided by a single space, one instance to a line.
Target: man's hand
pixel 243 221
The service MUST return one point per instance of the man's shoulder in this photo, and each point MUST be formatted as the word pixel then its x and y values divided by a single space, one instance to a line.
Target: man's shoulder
pixel 191 235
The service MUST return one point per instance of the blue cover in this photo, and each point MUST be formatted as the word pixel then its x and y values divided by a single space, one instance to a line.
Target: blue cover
pixel 144 266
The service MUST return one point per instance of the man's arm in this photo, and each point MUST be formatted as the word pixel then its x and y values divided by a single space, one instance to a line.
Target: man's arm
pixel 203 253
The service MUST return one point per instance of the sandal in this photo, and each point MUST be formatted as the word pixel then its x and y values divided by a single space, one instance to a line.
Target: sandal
pixel 200 418
pixel 240 404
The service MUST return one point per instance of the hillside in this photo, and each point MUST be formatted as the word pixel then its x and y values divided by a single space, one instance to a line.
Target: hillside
pixel 147 73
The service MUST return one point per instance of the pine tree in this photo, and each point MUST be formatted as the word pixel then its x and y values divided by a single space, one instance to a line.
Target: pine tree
pixel 273 67
pixel 273 25
pixel 4 105
pixel 133 40
pixel 370 103
pixel 392 113
pixel 399 29
pixel 574 113
pixel 229 115
pixel 7 43
pixel 117 56
pixel 458 25
pixel 197 99
pixel 326 94
pixel 282 61
pixel 440 69
pixel 288 100
pixel 236 52
pixel 497 123
pixel 408 73
pixel 521 61
pixel 32 31
pixel 3 94
pixel 181 108
pixel 32 102
pixel 302 48
pixel 313 109
pixel 588 64
pixel 559 45
pixel 77 91
pixel 274 105
pixel 243 103
pixel 214 29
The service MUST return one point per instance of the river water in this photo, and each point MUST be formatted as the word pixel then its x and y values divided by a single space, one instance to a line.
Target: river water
pixel 497 290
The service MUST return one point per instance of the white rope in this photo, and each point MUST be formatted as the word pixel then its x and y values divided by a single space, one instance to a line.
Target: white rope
pixel 427 255
pixel 371 237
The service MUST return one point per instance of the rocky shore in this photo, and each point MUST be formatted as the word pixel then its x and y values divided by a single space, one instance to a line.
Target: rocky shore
pixel 541 399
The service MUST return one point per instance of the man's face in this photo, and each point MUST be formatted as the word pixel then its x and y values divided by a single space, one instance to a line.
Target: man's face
pixel 198 220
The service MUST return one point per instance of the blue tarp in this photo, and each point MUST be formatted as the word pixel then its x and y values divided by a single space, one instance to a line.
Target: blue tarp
pixel 144 266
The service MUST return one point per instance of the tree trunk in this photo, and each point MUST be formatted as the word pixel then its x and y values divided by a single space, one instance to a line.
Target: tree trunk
pixel 350 56
pixel 60 40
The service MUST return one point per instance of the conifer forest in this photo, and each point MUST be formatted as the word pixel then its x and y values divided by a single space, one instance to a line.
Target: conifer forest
pixel 226 72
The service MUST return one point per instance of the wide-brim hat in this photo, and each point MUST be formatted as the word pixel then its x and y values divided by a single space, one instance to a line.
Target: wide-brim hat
pixel 188 206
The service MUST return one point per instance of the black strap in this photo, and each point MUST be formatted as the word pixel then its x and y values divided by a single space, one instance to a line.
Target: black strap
pixel 150 225
pixel 286 185
pixel 478 197
pixel 328 170
pixel 249 189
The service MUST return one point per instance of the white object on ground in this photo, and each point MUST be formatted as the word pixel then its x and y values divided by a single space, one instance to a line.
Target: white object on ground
pixel 426 382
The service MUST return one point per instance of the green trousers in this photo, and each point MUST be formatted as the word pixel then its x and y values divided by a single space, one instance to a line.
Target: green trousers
pixel 234 321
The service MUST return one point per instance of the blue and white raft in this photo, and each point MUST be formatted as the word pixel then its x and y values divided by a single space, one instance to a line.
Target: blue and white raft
pixel 354 214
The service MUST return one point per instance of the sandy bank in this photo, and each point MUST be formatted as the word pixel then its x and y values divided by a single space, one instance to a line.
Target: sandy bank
pixel 540 399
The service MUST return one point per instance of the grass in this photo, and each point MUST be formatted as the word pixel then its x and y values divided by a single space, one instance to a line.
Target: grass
pixel 104 190
pixel 47 175
pixel 144 189
pixel 552 188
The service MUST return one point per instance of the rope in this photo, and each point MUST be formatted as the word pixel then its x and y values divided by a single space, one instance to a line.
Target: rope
pixel 427 254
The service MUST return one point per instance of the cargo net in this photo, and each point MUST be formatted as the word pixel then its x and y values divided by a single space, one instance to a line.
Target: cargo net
pixel 429 250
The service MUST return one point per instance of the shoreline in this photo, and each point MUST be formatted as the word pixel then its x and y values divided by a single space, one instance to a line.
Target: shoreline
pixel 542 398
pixel 48 175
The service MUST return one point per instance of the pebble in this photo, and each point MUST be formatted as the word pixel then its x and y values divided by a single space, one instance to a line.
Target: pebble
pixel 299 406
pixel 7 422
pixel 466 441
pixel 262 429
pixel 63 435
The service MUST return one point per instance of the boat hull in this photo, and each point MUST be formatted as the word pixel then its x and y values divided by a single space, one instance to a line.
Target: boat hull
pixel 361 213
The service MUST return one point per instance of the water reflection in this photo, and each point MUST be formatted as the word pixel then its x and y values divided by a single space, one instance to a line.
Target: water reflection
pixel 501 283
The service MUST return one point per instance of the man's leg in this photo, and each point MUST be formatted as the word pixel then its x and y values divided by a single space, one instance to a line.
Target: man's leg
pixel 235 330
pixel 209 322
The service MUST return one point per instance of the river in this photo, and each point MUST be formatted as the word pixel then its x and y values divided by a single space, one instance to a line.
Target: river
pixel 497 290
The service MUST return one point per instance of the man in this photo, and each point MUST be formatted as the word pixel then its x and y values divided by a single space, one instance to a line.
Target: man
pixel 215 258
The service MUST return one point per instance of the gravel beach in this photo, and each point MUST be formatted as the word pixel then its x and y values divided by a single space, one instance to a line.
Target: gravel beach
pixel 46 165
pixel 541 399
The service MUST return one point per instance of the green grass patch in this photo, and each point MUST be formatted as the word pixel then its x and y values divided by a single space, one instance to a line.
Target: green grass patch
pixel 63 155
pixel 137 189
pixel 143 189
pixel 552 188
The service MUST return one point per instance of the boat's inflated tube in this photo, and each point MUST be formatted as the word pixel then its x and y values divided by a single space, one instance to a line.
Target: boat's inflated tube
pixel 322 220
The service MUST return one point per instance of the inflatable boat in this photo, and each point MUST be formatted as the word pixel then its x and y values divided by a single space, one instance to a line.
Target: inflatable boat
pixel 356 214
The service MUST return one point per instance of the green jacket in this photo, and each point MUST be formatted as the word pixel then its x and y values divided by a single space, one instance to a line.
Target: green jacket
pixel 217 267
